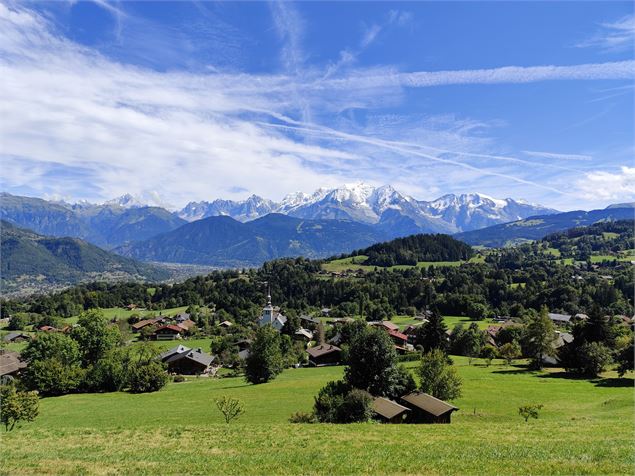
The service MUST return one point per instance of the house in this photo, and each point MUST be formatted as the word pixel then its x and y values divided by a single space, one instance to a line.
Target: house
pixel 137 326
pixel 271 316
pixel 10 366
pixel 559 318
pixel 184 316
pixel 325 311
pixel 427 409
pixel 168 332
pixel 309 322
pixel 16 337
pixel 324 354
pixel 186 325
pixel 389 411
pixel 243 344
pixel 189 361
pixel 48 329
pixel 303 334
pixel 225 324
pixel 387 325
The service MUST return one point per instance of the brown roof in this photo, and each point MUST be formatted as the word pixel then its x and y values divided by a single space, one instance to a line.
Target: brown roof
pixel 321 350
pixel 142 324
pixel 428 403
pixel 387 408
pixel 10 362
pixel 187 325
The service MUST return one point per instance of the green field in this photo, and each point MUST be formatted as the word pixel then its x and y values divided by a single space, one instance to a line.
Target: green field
pixel 121 314
pixel 585 427
pixel 356 263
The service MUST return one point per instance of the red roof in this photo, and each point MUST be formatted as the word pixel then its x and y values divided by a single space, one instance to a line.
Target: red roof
pixel 397 334
pixel 48 328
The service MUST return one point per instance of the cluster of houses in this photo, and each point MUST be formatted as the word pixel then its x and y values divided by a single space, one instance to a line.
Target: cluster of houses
pixel 166 328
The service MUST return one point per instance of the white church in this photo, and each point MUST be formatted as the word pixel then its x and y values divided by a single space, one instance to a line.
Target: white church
pixel 271 315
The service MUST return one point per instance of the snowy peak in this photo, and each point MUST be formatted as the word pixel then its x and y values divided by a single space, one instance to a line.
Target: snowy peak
pixel 147 199
pixel 365 203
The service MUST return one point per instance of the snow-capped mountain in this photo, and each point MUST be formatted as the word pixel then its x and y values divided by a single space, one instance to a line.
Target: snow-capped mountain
pixel 383 205
pixel 146 199
pixel 246 210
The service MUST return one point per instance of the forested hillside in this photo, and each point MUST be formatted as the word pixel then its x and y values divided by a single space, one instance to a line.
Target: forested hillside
pixel 32 261
pixel 412 249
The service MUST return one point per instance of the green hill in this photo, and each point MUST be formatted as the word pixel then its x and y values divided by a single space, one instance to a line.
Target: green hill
pixel 32 262
pixel 537 227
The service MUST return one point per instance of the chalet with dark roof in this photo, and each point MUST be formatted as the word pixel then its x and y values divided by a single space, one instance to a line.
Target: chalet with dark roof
pixel 185 361
pixel 427 409
pixel 389 411
pixel 325 354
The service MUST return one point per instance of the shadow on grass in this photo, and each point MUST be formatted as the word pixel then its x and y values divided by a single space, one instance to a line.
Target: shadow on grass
pixel 614 382
pixel 514 370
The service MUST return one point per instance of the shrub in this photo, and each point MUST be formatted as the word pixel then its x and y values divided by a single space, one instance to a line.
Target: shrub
pixel 489 353
pixel 147 377
pixel 337 402
pixel 230 407
pixel 302 417
pixel 510 351
pixel 178 379
pixel 589 359
pixel 529 411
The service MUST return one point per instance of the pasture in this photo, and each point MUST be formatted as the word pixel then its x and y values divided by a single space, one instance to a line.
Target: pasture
pixel 584 428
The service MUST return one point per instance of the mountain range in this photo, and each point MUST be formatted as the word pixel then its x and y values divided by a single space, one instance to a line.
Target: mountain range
pixel 225 242
pixel 367 204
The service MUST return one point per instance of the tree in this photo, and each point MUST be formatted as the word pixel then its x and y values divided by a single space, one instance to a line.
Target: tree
pixel 265 361
pixel 16 407
pixel 147 377
pixel 17 322
pixel 438 377
pixel 529 411
pixel 230 407
pixel 290 326
pixel 95 335
pixel 510 351
pixel 488 353
pixel 110 373
pixel 52 377
pixel 589 359
pixel 433 334
pixel 625 359
pixel 467 342
pixel 539 338
pixel 52 345
pixel 595 329
pixel 371 362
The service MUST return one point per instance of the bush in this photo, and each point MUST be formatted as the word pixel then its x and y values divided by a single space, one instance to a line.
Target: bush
pixel 489 353
pixel 147 377
pixel 230 407
pixel 109 374
pixel 529 411
pixel 18 322
pixel 178 379
pixel 302 417
pixel 337 402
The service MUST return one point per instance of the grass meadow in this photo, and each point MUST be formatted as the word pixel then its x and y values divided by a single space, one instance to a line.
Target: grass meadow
pixel 586 427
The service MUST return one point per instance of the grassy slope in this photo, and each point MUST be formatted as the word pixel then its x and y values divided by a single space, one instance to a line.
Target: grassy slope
pixel 355 263
pixel 584 428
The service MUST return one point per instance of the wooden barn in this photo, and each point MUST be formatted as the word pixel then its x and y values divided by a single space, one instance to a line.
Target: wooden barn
pixel 427 409
pixel 325 354
pixel 389 411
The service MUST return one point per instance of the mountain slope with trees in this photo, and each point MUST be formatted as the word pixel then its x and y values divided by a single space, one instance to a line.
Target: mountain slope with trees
pixel 33 261
pixel 537 227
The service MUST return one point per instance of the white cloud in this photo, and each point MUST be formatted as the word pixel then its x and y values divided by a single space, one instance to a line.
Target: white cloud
pixel 613 36
pixel 553 155
pixel 601 185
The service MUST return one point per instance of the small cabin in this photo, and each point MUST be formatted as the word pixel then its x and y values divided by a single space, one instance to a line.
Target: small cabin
pixel 427 409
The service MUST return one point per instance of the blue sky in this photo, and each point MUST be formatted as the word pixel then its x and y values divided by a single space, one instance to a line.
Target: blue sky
pixel 199 100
